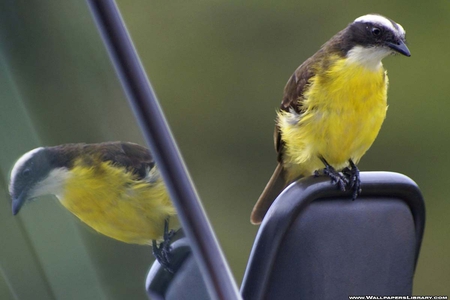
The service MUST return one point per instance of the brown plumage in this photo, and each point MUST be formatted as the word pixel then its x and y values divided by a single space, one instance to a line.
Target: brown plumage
pixel 133 157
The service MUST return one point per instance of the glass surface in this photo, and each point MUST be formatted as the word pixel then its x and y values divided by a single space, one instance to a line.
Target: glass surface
pixel 219 69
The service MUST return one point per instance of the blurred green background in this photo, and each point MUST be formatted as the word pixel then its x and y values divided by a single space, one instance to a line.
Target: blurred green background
pixel 219 68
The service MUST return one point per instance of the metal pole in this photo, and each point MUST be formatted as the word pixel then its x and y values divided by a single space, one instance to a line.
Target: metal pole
pixel 142 99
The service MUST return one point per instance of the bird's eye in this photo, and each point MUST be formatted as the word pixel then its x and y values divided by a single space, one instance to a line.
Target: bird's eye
pixel 26 172
pixel 376 31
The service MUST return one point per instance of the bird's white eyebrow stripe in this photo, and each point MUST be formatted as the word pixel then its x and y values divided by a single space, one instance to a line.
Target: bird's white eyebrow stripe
pixel 19 164
pixel 22 160
pixel 377 19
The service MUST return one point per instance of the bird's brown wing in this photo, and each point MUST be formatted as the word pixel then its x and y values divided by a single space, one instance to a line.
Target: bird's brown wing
pixel 293 98
pixel 133 157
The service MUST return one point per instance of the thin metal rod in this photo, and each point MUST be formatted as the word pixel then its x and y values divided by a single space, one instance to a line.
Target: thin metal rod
pixel 142 99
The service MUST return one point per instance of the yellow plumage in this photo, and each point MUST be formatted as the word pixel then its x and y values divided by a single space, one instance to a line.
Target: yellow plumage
pixel 113 187
pixel 343 110
pixel 333 107
pixel 115 203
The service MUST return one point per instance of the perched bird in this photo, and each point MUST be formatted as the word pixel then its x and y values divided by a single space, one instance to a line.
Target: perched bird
pixel 113 187
pixel 333 107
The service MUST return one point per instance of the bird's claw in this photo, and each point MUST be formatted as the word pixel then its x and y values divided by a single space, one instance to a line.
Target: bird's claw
pixel 336 177
pixel 348 179
pixel 352 173
pixel 162 252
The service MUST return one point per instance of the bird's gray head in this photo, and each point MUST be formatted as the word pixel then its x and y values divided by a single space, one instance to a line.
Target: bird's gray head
pixel 34 174
pixel 372 37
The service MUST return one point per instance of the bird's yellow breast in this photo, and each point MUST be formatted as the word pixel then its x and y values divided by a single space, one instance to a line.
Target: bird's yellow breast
pixel 114 203
pixel 343 110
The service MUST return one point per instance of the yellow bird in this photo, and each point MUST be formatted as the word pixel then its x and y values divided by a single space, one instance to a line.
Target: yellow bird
pixel 113 187
pixel 333 107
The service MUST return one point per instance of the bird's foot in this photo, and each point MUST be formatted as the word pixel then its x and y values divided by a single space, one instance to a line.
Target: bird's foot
pixel 336 178
pixel 354 181
pixel 162 251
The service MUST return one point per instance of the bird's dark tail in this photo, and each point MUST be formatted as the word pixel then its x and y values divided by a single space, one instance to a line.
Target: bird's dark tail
pixel 273 188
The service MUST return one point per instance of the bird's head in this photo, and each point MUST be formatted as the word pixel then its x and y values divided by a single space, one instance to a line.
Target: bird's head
pixel 36 173
pixel 370 38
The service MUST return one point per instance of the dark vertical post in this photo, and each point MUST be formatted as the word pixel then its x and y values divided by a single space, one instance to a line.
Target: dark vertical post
pixel 143 101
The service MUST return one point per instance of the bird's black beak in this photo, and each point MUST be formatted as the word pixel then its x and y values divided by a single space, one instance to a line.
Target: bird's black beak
pixel 17 203
pixel 399 47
